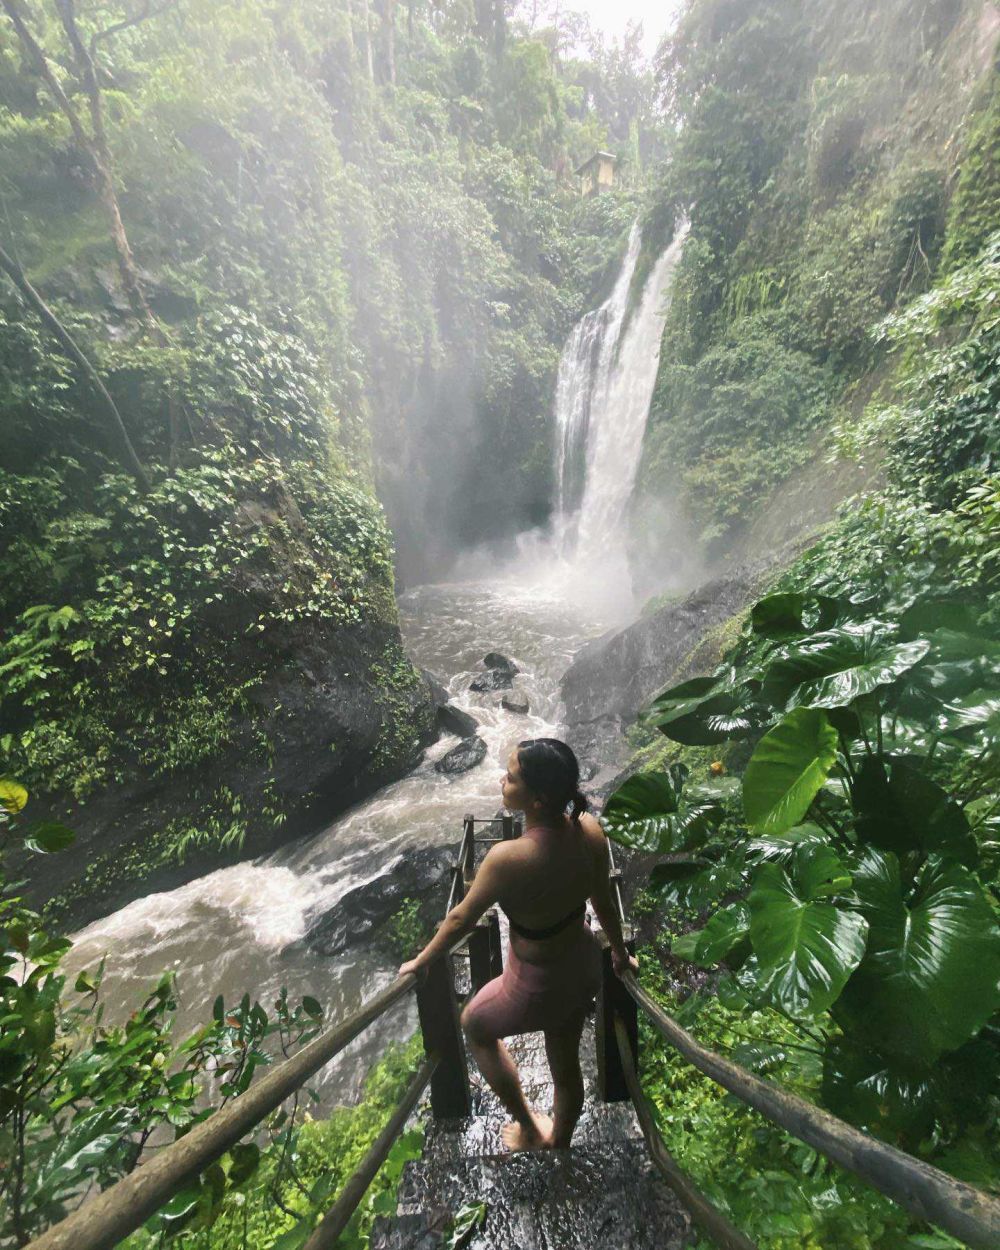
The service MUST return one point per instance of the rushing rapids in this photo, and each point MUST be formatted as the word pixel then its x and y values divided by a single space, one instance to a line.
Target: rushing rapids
pixel 242 929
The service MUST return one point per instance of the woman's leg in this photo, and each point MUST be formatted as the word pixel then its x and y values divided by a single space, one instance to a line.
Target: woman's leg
pixel 562 1046
pixel 483 1022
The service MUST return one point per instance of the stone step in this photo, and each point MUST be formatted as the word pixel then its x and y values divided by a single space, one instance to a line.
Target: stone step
pixel 594 1197
pixel 448 1141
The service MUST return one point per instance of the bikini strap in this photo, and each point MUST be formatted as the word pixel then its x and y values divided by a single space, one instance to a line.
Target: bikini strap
pixel 550 930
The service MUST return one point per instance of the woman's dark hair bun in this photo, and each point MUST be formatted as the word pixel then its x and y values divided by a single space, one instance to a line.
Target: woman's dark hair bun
pixel 551 770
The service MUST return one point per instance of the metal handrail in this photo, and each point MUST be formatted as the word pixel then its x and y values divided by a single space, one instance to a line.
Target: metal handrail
pixel 714 1223
pixel 920 1188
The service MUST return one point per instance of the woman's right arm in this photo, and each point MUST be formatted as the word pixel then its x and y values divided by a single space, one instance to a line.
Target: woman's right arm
pixel 603 901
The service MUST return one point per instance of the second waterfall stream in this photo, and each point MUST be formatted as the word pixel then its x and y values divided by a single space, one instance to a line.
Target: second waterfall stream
pixel 244 929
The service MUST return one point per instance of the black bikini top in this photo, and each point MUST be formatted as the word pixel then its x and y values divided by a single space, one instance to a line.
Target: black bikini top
pixel 549 930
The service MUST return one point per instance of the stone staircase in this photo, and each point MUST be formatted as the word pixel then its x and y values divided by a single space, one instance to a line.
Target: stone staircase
pixel 601 1194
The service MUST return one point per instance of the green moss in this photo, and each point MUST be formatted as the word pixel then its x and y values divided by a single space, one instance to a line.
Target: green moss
pixel 972 215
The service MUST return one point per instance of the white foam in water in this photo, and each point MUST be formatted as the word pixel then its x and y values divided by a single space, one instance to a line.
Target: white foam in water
pixel 242 929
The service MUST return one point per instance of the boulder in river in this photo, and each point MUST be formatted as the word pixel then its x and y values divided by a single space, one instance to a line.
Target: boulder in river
pixel 454 721
pixel 468 753
pixel 414 874
pixel 492 679
pixel 497 660
pixel 437 688
pixel 515 703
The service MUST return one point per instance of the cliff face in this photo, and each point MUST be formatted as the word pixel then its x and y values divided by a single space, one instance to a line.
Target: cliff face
pixel 821 159
pixel 278 699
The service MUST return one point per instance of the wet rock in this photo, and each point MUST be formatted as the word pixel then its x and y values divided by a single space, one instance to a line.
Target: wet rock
pixel 437 688
pixel 414 874
pixel 492 679
pixel 453 720
pixel 468 753
pixel 496 660
pixel 615 676
pixel 603 1192
pixel 515 703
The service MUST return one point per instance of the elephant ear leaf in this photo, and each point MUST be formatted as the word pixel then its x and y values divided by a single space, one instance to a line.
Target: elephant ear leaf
pixel 877 1094
pixel 900 809
pixel 931 977
pixel 645 813
pixel 787 770
pixel 790 613
pixel 702 712
pixel 805 947
pixel 707 946
pixel 839 665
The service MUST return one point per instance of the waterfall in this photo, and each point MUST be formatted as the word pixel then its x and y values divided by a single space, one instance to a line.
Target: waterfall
pixel 605 383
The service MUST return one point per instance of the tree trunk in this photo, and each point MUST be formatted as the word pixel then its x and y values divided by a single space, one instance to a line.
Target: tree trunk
pixel 125 451
pixel 100 155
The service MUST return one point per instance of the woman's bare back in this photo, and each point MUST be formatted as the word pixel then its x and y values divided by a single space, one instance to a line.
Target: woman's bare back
pixel 552 870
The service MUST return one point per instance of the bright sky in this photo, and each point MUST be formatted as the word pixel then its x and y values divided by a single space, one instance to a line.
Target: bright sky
pixel 612 17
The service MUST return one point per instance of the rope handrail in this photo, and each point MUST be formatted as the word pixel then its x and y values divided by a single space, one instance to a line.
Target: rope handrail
pixel 714 1223
pixel 923 1190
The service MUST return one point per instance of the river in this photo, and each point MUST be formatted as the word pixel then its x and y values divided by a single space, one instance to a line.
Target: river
pixel 241 929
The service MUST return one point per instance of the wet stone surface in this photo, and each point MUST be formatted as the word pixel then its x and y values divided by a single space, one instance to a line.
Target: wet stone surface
pixel 603 1192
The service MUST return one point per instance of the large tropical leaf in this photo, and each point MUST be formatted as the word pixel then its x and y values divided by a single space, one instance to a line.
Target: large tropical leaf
pixel 835 667
pixel 780 847
pixel 878 1094
pixel 901 809
pixel 645 813
pixel 974 712
pixel 707 946
pixel 805 948
pixel 641 796
pixel 694 884
pixel 928 615
pixel 703 712
pixel 930 978
pixel 790 613
pixel 787 769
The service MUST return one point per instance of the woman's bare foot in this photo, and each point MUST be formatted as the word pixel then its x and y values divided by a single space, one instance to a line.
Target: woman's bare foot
pixel 537 1136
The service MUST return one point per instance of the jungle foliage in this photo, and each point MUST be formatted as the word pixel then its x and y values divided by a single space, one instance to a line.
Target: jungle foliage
pixel 833 163
pixel 840 863
pixel 281 237
pixel 83 1100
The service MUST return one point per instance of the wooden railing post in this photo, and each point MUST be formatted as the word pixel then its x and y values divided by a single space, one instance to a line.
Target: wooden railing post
pixel 485 954
pixel 613 998
pixel 507 827
pixel 437 1006
pixel 496 944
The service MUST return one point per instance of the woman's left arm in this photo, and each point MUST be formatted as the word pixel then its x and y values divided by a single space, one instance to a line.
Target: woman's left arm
pixel 483 893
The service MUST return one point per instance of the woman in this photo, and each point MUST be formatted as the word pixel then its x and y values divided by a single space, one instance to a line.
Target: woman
pixel 542 881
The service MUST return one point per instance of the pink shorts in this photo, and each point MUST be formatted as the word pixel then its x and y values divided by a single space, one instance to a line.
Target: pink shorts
pixel 529 998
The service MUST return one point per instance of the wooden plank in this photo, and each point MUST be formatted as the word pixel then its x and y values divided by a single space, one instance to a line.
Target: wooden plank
pixel 438 1009
pixel 324 1236
pixel 613 1000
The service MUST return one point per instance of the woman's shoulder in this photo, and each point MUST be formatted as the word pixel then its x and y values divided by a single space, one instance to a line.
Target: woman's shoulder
pixel 590 826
